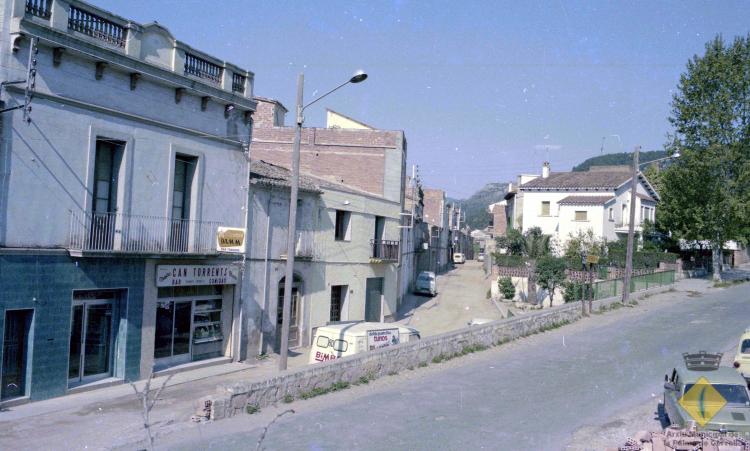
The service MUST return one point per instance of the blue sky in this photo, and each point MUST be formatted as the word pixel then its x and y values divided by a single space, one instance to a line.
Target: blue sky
pixel 483 90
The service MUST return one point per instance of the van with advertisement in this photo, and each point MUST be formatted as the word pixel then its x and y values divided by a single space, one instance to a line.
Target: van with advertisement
pixel 336 340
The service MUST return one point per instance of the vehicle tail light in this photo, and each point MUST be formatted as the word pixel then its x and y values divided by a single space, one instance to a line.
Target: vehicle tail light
pixel 736 364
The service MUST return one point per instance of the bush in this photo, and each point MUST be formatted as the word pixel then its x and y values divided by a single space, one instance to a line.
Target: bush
pixel 507 290
pixel 550 273
pixel 573 291
pixel 512 261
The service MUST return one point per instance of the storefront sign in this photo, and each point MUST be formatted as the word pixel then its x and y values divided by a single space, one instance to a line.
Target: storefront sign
pixel 381 338
pixel 230 239
pixel 182 275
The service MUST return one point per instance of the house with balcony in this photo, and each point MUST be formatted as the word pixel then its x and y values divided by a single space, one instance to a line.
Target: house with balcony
pixel 121 152
pixel 346 251
pixel 564 204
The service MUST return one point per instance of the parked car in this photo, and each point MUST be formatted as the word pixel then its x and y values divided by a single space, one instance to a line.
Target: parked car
pixel 734 416
pixel 480 257
pixel 459 258
pixel 426 283
pixel 336 340
pixel 742 358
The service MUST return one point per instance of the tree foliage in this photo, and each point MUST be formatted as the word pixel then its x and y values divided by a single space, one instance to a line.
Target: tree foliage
pixel 512 242
pixel 580 244
pixel 550 273
pixel 507 290
pixel 706 192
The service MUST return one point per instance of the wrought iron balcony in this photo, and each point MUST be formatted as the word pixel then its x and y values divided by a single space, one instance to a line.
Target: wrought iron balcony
pixel 202 68
pixel 304 247
pixel 39 8
pixel 135 234
pixel 385 250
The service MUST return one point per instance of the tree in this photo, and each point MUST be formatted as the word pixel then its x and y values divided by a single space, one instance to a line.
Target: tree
pixel 535 245
pixel 706 192
pixel 583 243
pixel 512 242
pixel 550 273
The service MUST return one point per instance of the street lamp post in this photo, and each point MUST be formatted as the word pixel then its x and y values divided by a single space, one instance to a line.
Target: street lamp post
pixel 631 226
pixel 292 227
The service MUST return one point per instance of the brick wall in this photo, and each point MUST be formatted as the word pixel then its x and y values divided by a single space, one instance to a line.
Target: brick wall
pixel 499 220
pixel 357 158
pixel 434 205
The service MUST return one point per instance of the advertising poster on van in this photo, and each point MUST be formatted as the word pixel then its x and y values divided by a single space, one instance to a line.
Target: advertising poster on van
pixel 381 338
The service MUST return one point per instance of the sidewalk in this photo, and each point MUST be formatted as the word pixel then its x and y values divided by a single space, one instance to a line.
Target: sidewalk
pixel 111 417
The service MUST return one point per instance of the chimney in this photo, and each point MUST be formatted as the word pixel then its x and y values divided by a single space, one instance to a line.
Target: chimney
pixel 545 170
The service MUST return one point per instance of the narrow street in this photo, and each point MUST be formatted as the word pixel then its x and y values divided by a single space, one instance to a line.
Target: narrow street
pixel 532 394
pixel 462 296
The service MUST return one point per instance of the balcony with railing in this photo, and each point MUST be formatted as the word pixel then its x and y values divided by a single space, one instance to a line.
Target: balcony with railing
pixel 97 233
pixel 383 250
pixel 39 8
pixel 202 68
pixel 95 26
pixel 304 247
pixel 151 46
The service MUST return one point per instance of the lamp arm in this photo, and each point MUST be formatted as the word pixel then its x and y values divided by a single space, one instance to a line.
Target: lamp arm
pixel 329 92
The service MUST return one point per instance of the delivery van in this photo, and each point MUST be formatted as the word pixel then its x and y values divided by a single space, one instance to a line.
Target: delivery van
pixel 337 340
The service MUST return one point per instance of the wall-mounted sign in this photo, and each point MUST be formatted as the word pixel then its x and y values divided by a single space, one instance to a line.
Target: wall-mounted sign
pixel 230 239
pixel 381 338
pixel 183 275
pixel 592 259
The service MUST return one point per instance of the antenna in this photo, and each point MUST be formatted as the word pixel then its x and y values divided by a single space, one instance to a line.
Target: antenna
pixel 601 150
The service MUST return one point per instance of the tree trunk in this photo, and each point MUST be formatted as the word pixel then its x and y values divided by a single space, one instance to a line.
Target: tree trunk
pixel 531 289
pixel 717 258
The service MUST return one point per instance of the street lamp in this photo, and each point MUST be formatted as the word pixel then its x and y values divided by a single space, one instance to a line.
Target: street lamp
pixel 631 226
pixel 358 77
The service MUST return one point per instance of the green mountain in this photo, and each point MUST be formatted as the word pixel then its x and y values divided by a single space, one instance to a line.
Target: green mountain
pixel 475 207
pixel 624 158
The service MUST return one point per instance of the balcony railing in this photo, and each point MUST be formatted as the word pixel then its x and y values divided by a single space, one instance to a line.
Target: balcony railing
pixel 135 234
pixel 201 68
pixel 238 83
pixel 386 250
pixel 305 247
pixel 39 8
pixel 96 26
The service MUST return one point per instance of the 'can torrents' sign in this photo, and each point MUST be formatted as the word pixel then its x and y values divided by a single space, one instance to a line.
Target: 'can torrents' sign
pixel 182 275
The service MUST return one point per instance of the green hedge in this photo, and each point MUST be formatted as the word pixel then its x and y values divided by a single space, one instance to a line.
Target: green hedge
pixel 641 259
pixel 513 261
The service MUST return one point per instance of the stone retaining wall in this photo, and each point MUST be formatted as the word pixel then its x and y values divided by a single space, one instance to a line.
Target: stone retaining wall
pixel 234 399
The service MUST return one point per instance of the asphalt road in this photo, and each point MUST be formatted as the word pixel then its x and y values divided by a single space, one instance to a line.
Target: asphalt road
pixel 532 394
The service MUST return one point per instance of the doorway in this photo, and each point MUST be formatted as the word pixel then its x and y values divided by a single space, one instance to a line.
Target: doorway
pixel 293 317
pixel 172 332
pixel 91 338
pixel 15 353
pixel 374 299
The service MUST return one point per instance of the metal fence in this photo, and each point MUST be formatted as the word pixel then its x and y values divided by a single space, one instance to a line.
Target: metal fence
pixel 613 287
pixel 115 232
pixel 384 250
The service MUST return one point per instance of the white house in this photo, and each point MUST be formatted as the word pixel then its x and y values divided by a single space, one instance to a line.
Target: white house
pixel 566 203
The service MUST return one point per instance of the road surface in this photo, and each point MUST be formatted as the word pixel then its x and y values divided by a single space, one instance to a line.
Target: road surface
pixel 531 394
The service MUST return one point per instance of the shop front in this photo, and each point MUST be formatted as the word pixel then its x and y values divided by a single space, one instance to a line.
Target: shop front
pixel 192 313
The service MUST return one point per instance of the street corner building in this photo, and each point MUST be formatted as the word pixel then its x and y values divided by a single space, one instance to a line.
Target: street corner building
pixel 112 186
pixel 347 251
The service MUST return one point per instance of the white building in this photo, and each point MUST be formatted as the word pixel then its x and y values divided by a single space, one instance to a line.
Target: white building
pixel 566 203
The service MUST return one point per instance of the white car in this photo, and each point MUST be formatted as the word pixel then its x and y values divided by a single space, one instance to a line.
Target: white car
pixel 426 283
pixel 459 258
pixel 480 257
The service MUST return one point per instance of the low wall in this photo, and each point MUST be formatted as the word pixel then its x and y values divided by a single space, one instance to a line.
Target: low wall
pixel 233 399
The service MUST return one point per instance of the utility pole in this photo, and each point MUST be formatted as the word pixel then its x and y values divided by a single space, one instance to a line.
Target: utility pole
pixel 291 229
pixel 631 230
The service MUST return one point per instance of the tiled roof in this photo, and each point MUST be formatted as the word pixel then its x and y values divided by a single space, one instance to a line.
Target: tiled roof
pixel 591 179
pixel 268 174
pixel 585 200
pixel 645 197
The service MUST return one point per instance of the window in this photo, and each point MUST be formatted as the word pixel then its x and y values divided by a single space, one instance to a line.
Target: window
pixel 611 214
pixel 184 168
pixel 343 225
pixel 379 228
pixel 581 215
pixel 643 213
pixel 104 204
pixel 545 208
pixel 338 296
